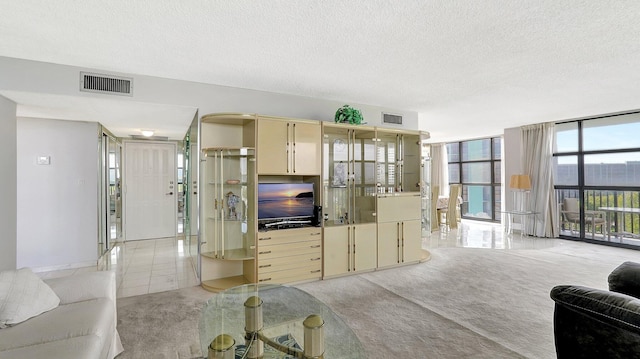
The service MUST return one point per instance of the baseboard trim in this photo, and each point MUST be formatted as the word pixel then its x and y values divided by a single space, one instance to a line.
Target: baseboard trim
pixel 64 266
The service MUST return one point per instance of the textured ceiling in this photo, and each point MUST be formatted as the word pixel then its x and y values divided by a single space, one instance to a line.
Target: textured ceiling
pixel 469 68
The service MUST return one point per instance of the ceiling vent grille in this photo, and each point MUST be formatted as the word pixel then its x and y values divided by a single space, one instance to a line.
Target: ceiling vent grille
pixel 108 84
pixel 391 118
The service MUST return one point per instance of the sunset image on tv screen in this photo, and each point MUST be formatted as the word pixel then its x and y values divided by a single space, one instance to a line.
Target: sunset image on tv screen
pixel 285 200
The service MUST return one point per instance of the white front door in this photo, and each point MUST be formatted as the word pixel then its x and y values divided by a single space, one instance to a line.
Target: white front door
pixel 150 190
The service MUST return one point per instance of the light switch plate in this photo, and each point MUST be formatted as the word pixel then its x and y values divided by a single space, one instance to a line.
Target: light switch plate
pixel 43 160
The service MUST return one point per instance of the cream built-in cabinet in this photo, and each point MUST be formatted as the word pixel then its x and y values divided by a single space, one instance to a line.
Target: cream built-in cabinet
pixel 399 198
pixel 350 249
pixel 368 182
pixel 227 202
pixel 399 229
pixel 349 193
pixel 288 147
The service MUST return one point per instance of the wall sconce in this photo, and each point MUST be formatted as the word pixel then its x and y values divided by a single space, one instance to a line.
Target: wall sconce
pixel 147 133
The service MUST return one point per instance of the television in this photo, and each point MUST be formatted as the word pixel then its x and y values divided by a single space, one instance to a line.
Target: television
pixel 285 202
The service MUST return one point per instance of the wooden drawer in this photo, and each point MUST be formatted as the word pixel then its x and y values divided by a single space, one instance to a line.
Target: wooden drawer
pixel 288 236
pixel 289 249
pixel 308 272
pixel 286 263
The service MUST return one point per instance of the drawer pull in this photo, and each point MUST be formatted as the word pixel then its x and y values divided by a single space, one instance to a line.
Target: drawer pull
pixel 264 239
pixel 315 246
pixel 315 259
pixel 315 234
pixel 265 252
pixel 265 266
pixel 264 280
pixel 315 271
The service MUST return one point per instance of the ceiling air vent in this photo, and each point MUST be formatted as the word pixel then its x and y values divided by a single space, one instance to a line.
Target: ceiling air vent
pixel 108 84
pixel 390 118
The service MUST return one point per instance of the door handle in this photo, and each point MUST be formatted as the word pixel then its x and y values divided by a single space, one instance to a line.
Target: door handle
pixel 169 194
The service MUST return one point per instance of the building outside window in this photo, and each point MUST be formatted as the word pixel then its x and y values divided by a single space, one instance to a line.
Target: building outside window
pixel 476 165
pixel 597 166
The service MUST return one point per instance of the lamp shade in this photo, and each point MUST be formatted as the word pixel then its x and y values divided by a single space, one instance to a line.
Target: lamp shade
pixel 520 182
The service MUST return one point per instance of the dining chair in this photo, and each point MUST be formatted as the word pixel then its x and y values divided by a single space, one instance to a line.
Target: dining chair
pixel 435 214
pixel 451 212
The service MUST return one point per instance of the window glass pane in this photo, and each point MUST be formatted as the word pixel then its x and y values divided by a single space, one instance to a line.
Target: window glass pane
pixel 454 173
pixel 477 202
pixel 611 133
pixel 612 169
pixel 497 148
pixel 476 172
pixel 497 173
pixel 565 170
pixel 453 152
pixel 476 150
pixel 498 201
pixel 566 137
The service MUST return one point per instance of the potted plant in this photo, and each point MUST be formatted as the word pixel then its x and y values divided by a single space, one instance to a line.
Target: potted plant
pixel 348 114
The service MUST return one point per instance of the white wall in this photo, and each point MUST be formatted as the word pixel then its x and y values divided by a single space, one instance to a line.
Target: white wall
pixel 57 221
pixel 7 184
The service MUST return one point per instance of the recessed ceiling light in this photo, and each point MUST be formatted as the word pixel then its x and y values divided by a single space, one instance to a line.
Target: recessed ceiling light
pixel 147 133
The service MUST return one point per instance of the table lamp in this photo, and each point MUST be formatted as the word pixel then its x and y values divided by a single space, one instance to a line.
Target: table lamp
pixel 520 184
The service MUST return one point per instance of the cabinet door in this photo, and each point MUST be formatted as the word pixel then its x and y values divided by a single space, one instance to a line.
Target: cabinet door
pixel 306 138
pixel 395 208
pixel 364 242
pixel 411 233
pixel 336 250
pixel 273 148
pixel 388 242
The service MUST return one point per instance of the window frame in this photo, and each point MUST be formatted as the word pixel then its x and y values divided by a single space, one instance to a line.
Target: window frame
pixel 495 158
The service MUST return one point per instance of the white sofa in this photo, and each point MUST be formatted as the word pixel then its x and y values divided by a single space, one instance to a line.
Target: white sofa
pixel 82 326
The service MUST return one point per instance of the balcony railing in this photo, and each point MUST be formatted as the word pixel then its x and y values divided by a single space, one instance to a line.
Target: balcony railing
pixel 619 209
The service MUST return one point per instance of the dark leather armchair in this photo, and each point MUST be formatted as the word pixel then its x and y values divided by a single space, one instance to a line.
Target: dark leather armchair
pixel 594 323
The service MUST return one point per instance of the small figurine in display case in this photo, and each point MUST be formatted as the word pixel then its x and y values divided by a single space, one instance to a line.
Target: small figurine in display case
pixel 232 202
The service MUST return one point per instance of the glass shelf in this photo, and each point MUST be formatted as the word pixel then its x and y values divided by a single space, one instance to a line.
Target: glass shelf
pixel 228 233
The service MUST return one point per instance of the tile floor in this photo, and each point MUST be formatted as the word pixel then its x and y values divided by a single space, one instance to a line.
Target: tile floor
pixel 146 266
pixel 476 234
pixel 157 265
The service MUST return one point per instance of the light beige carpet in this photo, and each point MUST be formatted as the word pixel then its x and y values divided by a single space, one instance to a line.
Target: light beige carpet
pixel 464 303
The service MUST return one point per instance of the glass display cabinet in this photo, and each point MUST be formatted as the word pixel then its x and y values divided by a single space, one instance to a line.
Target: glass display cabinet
pixel 425 187
pixel 228 210
pixel 349 203
pixel 399 201
pixel 398 164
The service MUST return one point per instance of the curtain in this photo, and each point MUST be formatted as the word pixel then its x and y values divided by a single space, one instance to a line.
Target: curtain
pixel 537 162
pixel 440 168
pixel 439 179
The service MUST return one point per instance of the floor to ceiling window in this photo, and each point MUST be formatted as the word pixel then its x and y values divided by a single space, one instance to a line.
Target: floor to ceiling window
pixel 475 164
pixel 597 178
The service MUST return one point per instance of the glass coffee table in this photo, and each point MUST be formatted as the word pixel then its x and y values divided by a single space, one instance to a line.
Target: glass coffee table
pixel 248 320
